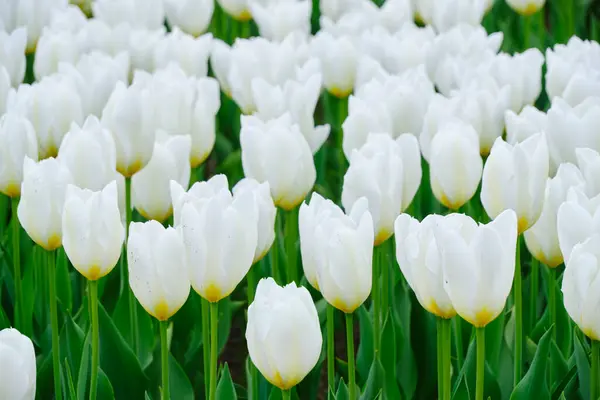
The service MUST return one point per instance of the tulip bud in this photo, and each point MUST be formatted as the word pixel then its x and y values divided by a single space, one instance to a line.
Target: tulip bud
pixel 52 48
pixel 42 200
pixel 338 249
pixel 527 123
pixel 283 333
pixel 514 177
pixel 542 238
pixel 89 153
pixel 12 54
pixel 206 107
pixel 276 20
pixel 339 59
pixel 364 117
pixel 388 173
pixel 420 262
pixel 189 52
pixel 220 237
pixel 276 152
pixel 150 188
pixel 526 7
pixel 191 16
pixel 129 116
pixel 447 14
pixel 220 62
pixel 198 192
pixel 237 9
pixel 266 211
pixel 17 141
pixel 17 363
pixel 92 231
pixel 479 264
pixel 148 14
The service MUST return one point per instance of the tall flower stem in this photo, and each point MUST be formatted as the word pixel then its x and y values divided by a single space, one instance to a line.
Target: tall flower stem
pixel 376 297
pixel 133 322
pixel 93 304
pixel 458 343
pixel 330 351
pixel 594 381
pixel 291 238
pixel 439 348
pixel 214 337
pixel 286 394
pixel 518 316
pixel 54 323
pixel 206 345
pixel 535 287
pixel 385 277
pixel 350 349
pixel 252 278
pixel 480 363
pixel 17 264
pixel 164 357
pixel 446 353
pixel 552 299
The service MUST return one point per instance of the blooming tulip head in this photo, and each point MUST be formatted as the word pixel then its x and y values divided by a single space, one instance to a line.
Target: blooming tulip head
pixel 92 231
pixel 526 7
pixel 220 236
pixel 191 16
pixel 455 164
pixel 581 286
pixel 158 272
pixel 17 363
pixel 421 264
pixel 265 210
pixel 283 333
pixel 339 59
pixel 34 15
pixel 364 117
pixel 42 200
pixel 12 54
pixel 197 193
pixel 189 52
pixel 52 48
pixel 514 177
pixel 337 250
pixel 388 173
pixel 276 152
pixel 17 141
pixel 276 20
pixel 479 264
pixel 525 124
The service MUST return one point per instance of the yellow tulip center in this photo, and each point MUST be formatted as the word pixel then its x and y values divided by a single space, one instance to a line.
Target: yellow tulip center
pixel 161 311
pixel 93 273
pixel 340 305
pixel 522 225
pixel 212 293
pixel 433 308
pixel 339 93
pixel 13 190
pixel 244 16
pixel 529 9
pixel 482 318
pixel 54 242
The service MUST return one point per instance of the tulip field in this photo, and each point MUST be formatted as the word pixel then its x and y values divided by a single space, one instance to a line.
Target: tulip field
pixel 299 199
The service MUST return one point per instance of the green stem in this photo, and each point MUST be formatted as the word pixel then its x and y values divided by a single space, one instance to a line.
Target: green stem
pixel 245 32
pixel 594 381
pixel 527 31
pixel 93 304
pixel 286 394
pixel 439 346
pixel 133 322
pixel 164 358
pixel 552 299
pixel 291 238
pixel 350 349
pixel 375 295
pixel 252 278
pixel 480 363
pixel 214 326
pixel 458 341
pixel 275 250
pixel 206 344
pixel 385 277
pixel 518 316
pixel 330 351
pixel 535 287
pixel 446 354
pixel 17 264
pixel 54 323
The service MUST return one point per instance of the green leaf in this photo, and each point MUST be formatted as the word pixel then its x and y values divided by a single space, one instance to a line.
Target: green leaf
pixel 534 384
pixel 406 375
pixel 342 391
pixel 180 386
pixel 225 388
pixel 388 359
pixel 375 381
pixel 63 281
pixel 583 368
pixel 364 356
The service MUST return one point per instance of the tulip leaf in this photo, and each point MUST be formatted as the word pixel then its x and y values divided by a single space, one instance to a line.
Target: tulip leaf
pixel 364 356
pixel 388 359
pixel 104 388
pixel 534 384
pixel 342 391
pixel 375 381
pixel 583 367
pixel 225 388
pixel 401 315
pixel 63 281
pixel 180 386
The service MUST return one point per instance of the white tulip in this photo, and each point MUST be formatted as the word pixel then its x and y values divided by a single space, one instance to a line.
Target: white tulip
pixel 220 62
pixel 17 141
pixel 191 16
pixel 71 18
pixel 90 154
pixel 197 193
pixel 52 48
pixel 17 362
pixel 514 177
pixel 4 88
pixel 388 173
pixel 150 188
pixel 158 269
pixel 334 9
pixel 542 239
pixel 421 264
pixel 276 152
pixel 446 14
pixel 364 117
pixel 588 161
pixel 206 107
pixel 148 14
pixel 42 200
pixel 129 116
pixel 525 124
pixel 34 15
pixel 526 7
pixel 276 20
pixel 189 52
pixel 237 9
pixel 338 249
pixel 456 165
pixel 283 333
pixel 339 60
pixel 92 231
pixel 479 264
pixel 220 237
pixel 142 45
pixel 12 54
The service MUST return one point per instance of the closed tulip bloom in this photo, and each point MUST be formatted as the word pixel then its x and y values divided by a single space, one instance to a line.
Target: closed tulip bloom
pixel 364 117
pixel 89 153
pixel 34 15
pixel 129 116
pixel 150 188
pixel 189 52
pixel 340 249
pixel 17 363
pixel 588 161
pixel 17 141
pixel 339 59
pixel 52 48
pixel 158 269
pixel 455 164
pixel 191 16
pixel 220 237
pixel 446 14
pixel 137 13
pixel 265 210
pixel 72 18
pixel 525 124
pixel 42 201
pixel 12 54
pixel 388 173
pixel 276 20
pixel 276 152
pixel 514 177
pixel 237 9
pixel 283 333
pixel 526 7
pixel 220 62
pixel 197 193
pixel 542 238
pixel 420 262
pixel 92 231
pixel 4 88
pixel 479 264
pixel 206 107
